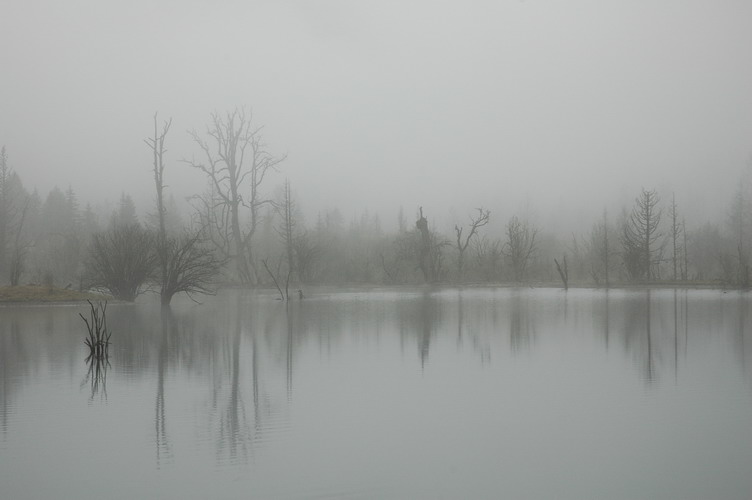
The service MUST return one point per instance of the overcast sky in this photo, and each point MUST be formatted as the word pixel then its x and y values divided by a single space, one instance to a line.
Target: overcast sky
pixel 555 107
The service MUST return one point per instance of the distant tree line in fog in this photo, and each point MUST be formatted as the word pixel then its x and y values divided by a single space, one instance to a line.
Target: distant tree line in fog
pixel 246 231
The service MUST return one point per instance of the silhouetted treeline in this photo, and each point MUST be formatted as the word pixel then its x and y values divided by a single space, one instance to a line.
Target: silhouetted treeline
pixel 50 239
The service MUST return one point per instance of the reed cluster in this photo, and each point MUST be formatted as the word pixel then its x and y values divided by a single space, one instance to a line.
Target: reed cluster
pixel 98 339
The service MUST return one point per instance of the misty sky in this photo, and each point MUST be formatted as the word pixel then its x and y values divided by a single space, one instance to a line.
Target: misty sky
pixel 557 108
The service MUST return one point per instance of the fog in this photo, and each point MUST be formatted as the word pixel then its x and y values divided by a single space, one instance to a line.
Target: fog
pixel 556 109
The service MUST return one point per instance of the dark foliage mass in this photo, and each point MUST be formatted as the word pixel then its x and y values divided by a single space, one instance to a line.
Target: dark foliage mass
pixel 122 261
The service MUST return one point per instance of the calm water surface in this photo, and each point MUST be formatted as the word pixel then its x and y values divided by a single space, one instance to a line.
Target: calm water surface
pixel 409 393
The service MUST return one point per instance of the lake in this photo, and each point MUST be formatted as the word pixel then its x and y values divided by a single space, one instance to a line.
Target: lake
pixel 384 393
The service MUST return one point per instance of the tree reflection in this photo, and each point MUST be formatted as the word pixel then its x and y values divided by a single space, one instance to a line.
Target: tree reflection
pixel 520 323
pixel 234 432
pixel 289 351
pixel 676 335
pixel 637 332
pixel 13 355
pixel 428 312
pixel 606 318
pixel 169 334
pixel 649 369
pixel 742 330
pixel 96 375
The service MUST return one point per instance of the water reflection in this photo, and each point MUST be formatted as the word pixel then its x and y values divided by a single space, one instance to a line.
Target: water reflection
pixel 521 322
pixel 225 382
pixel 96 375
pixel 168 340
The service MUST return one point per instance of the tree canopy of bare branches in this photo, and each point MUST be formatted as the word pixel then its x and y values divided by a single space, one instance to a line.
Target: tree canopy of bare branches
pixel 476 222
pixel 236 163
pixel 122 261
pixel 190 267
pixel 520 246
pixel 640 236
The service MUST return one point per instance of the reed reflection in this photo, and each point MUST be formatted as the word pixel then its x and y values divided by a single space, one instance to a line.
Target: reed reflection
pixel 96 375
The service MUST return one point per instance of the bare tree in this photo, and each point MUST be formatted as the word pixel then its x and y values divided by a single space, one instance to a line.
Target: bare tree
pixel 236 163
pixel 600 251
pixel 488 254
pixel 20 247
pixel 738 220
pixel 306 254
pixel 286 229
pixel 685 267
pixel 276 277
pixel 676 231
pixel 640 236
pixel 157 145
pixel 185 264
pixel 520 246
pixel 189 267
pixel 563 270
pixel 122 261
pixel 478 221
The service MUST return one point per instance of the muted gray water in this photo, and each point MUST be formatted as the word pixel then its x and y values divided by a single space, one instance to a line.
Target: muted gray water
pixel 475 393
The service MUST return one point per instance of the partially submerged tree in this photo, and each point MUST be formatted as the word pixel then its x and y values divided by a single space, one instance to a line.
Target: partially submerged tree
pixel 563 270
pixel 477 221
pixel 157 146
pixel 185 264
pixel 189 267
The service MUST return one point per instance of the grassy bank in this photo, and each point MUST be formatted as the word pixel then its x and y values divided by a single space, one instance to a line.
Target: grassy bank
pixel 41 293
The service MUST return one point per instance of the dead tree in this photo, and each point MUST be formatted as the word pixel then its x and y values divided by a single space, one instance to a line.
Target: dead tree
pixel 236 164
pixel 20 248
pixel 520 246
pixel 640 237
pixel 676 229
pixel 286 229
pixel 685 260
pixel 277 278
pixel 563 271
pixel 738 219
pixel 189 265
pixel 424 251
pixel 476 222
pixel 600 252
pixel 157 146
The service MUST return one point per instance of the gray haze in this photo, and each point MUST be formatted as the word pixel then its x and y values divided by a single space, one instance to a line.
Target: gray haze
pixel 555 108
